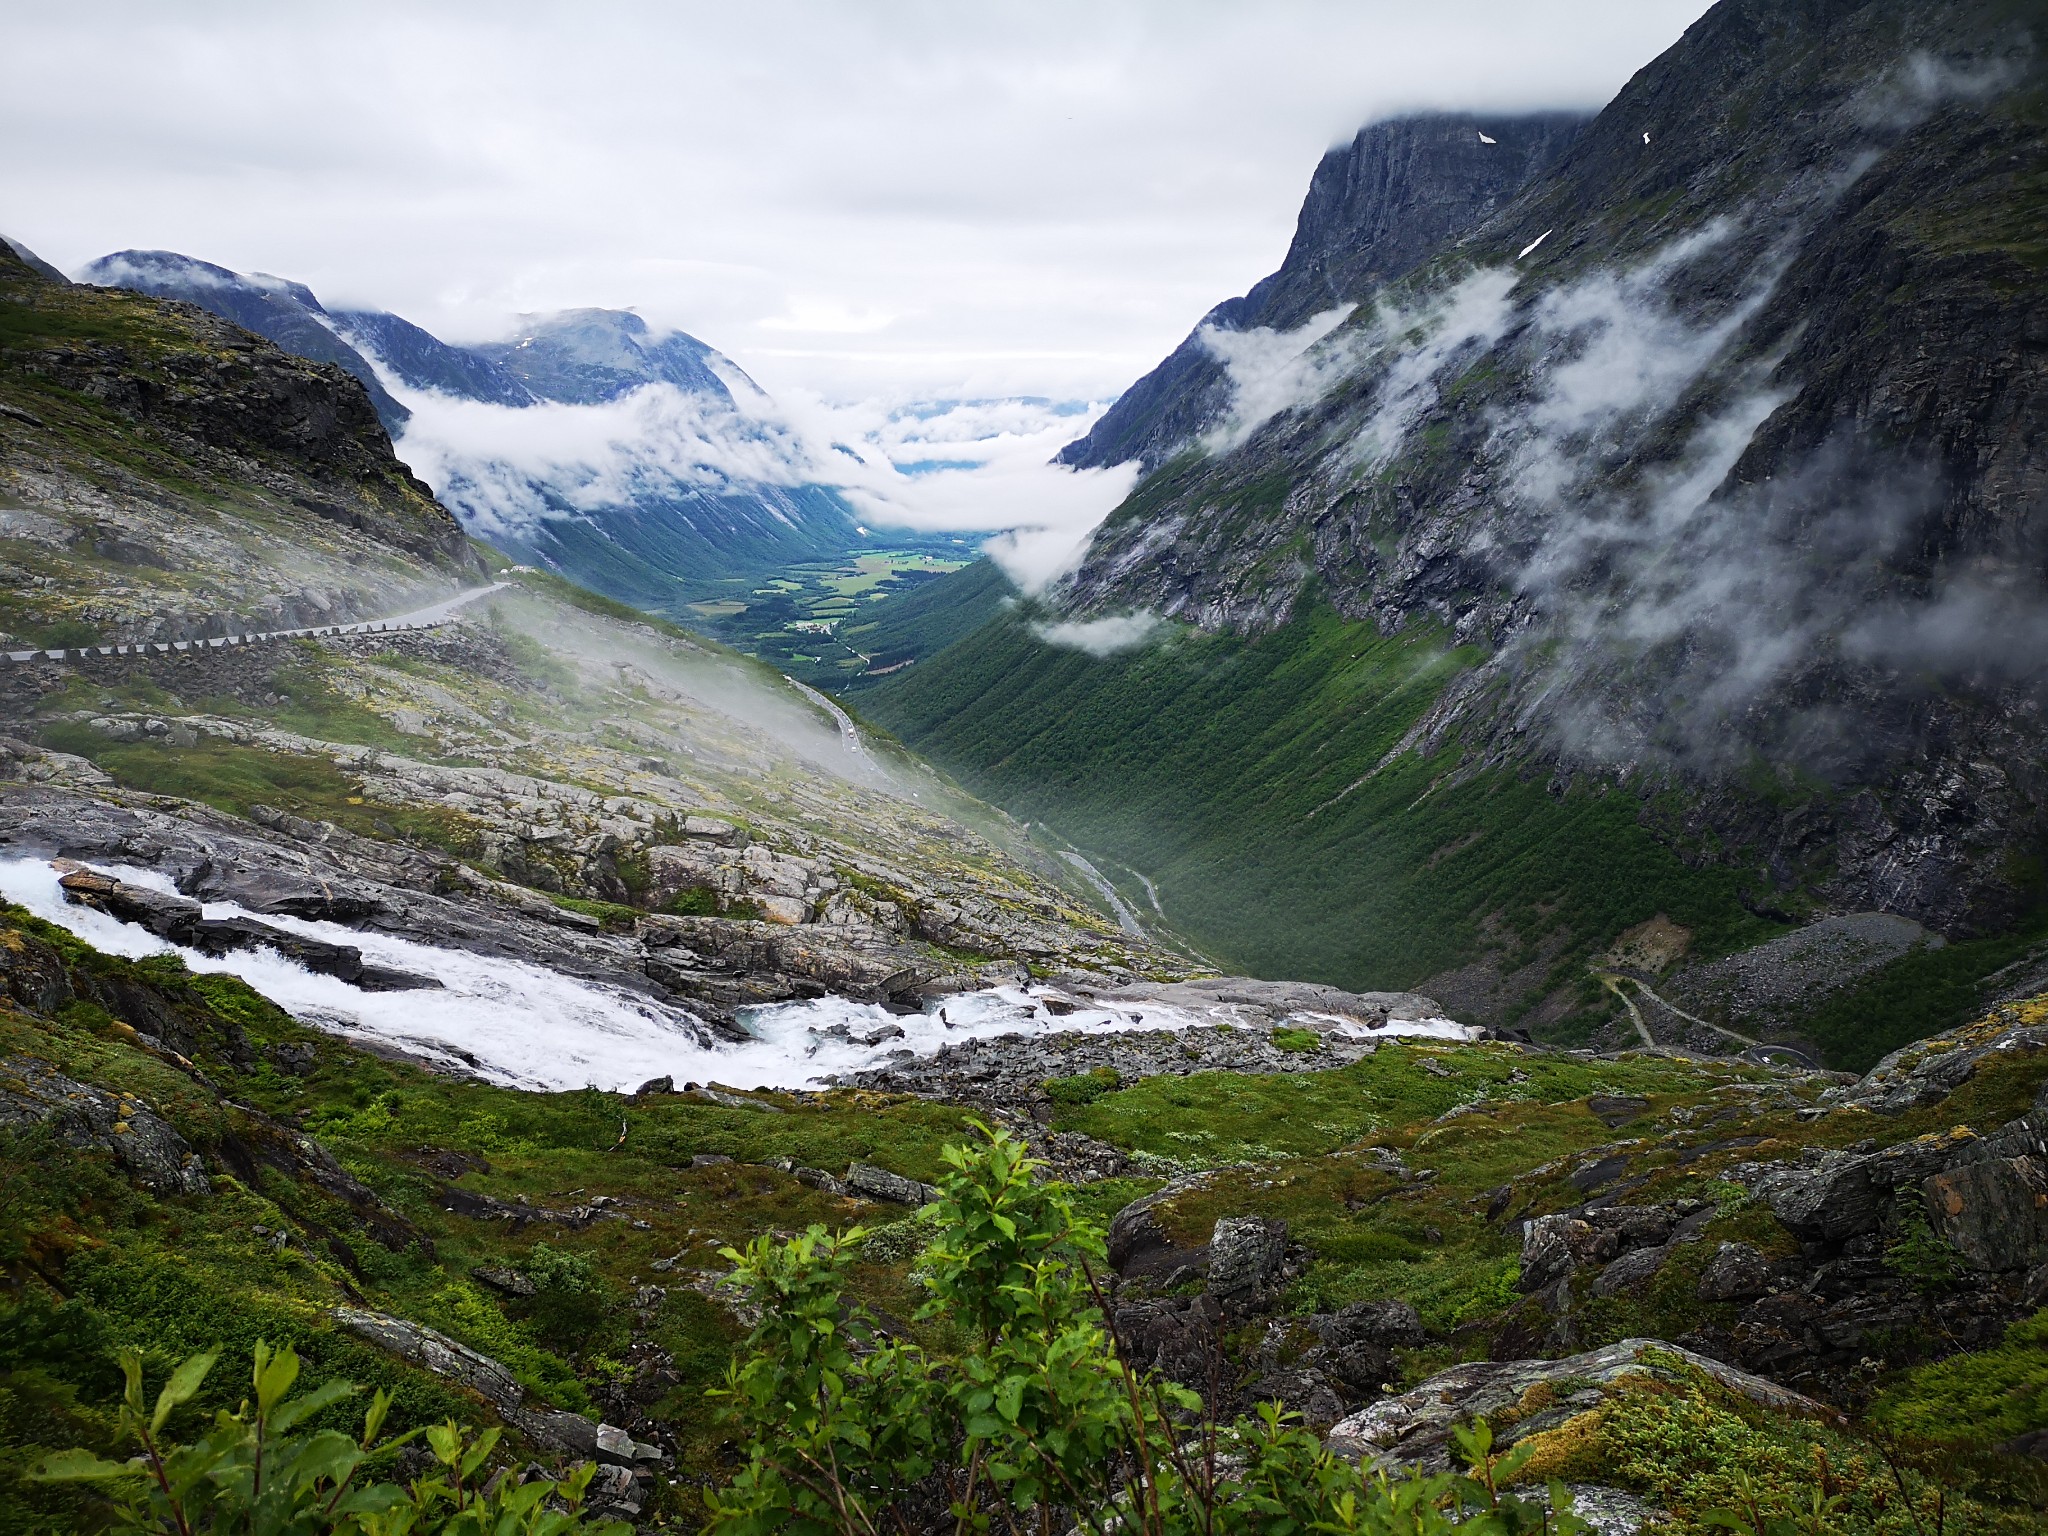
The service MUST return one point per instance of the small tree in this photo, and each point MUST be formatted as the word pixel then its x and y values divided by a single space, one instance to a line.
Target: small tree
pixel 1038 1424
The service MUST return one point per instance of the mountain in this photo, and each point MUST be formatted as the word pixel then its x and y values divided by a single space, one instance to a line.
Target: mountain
pixel 1376 208
pixel 419 360
pixel 588 356
pixel 32 261
pixel 285 312
pixel 1665 546
pixel 118 406
pixel 697 495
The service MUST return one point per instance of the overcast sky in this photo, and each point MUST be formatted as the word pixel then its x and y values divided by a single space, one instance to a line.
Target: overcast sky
pixel 883 200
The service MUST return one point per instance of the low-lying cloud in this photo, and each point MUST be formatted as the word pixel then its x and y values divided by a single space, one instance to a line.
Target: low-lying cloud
pixel 1108 636
pixel 1272 371
pixel 972 466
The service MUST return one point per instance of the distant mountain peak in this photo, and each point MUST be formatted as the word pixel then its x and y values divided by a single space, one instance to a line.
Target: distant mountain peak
pixel 588 356
pixel 273 307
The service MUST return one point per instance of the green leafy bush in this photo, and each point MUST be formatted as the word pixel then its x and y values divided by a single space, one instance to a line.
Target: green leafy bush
pixel 258 1471
pixel 1036 1422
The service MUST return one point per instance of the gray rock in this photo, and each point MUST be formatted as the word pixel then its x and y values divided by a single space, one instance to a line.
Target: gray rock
pixel 614 1445
pixel 819 1179
pixel 141 1141
pixel 1245 1254
pixel 1553 1246
pixel 1140 1247
pixel 1736 1272
pixel 438 1353
pixel 1994 1212
pixel 499 1278
pixel 1391 1322
pixel 1630 1270
pixel 880 1184
pixel 1414 1428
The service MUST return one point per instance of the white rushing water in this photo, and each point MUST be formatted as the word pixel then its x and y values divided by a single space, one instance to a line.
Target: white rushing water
pixel 530 1027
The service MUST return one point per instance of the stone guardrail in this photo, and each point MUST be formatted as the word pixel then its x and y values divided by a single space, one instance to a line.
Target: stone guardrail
pixel 425 618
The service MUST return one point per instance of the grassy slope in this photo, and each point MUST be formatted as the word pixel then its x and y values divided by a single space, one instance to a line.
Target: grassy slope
pixel 93 1262
pixel 1241 776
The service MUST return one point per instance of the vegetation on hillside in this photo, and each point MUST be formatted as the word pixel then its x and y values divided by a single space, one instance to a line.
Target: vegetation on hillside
pixel 1261 785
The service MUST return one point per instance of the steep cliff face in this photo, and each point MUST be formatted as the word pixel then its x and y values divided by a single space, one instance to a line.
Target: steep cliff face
pixel 1702 483
pixel 1375 208
pixel 1739 466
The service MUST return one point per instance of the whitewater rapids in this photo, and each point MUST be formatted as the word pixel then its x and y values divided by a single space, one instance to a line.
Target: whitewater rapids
pixel 525 1026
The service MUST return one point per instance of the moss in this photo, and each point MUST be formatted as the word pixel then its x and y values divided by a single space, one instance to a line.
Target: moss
pixel 1978 1399
pixel 1084 1089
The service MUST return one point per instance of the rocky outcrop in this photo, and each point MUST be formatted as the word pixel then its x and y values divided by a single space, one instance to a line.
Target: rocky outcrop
pixel 550 1429
pixel 141 1141
pixel 1414 1428
pixel 232 401
pixel 183 921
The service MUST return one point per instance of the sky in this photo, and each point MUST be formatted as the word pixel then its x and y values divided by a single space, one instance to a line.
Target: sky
pixel 862 204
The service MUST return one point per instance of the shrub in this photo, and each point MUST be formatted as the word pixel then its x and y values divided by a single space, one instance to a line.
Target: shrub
pixel 258 1471
pixel 1036 1423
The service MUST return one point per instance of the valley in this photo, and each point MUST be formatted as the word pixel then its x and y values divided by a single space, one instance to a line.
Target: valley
pixel 1475 960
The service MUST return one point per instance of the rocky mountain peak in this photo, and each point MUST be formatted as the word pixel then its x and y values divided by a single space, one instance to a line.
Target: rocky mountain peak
pixel 1376 207
pixel 586 356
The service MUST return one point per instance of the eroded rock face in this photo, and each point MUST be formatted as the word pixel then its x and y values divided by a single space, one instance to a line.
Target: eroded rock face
pixel 32 1093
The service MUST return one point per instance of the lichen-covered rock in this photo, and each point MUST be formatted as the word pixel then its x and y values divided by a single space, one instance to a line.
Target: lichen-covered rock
pixel 1414 1427
pixel 1245 1255
pixel 33 1093
pixel 436 1352
pixel 880 1184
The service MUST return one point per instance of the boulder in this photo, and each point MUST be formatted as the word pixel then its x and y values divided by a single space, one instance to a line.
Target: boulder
pixel 1140 1247
pixel 1630 1270
pixel 1414 1428
pixel 499 1278
pixel 1245 1255
pixel 880 1184
pixel 1176 1336
pixel 1554 1246
pixel 1736 1272
pixel 1994 1212
pixel 32 1092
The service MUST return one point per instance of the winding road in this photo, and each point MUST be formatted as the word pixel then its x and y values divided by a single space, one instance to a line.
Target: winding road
pixel 420 618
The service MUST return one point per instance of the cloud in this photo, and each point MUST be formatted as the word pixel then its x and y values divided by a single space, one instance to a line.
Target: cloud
pixel 1273 371
pixel 1436 340
pixel 1045 198
pixel 969 466
pixel 1102 637
pixel 1909 93
pixel 507 468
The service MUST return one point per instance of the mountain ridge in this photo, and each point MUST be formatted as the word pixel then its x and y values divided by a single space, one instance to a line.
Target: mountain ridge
pixel 1778 591
pixel 1375 207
